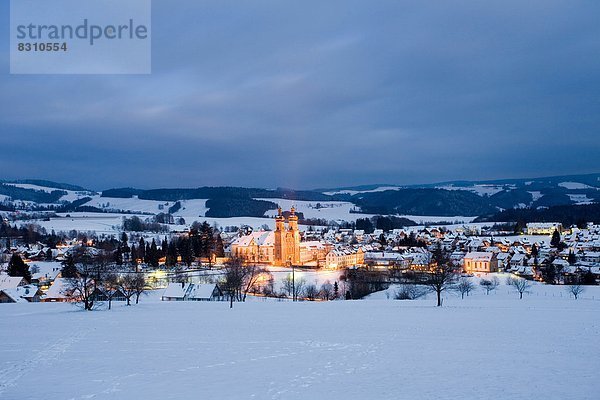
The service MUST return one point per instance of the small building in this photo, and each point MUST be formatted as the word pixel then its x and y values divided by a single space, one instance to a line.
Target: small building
pixel 11 282
pixel 59 291
pixel 480 262
pixel 344 257
pixel 192 292
pixel 543 228
pixel 20 294
pixel 205 292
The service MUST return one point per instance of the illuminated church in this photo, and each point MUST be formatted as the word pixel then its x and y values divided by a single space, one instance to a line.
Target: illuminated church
pixel 280 247
pixel 287 239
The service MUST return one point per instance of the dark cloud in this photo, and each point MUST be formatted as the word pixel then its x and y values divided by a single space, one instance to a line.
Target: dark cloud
pixel 313 94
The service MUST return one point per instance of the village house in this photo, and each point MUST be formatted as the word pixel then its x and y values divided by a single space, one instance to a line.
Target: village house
pixel 343 257
pixel 59 291
pixel 543 228
pixel 192 292
pixel 21 294
pixel 480 262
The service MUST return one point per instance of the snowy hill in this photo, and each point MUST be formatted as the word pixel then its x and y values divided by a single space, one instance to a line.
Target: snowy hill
pixel 458 200
pixel 494 346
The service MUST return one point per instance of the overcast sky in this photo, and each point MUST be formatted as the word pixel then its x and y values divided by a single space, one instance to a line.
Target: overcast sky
pixel 321 94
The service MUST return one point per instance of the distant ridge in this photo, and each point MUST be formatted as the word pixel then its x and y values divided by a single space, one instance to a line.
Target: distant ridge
pixel 592 179
pixel 444 199
pixel 49 184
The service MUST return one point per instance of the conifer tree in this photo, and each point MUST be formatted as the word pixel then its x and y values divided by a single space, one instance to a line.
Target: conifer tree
pixel 17 267
pixel 69 270
pixel 555 242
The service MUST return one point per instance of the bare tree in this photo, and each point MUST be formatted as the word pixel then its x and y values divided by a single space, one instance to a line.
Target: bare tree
pixel 269 289
pixel 311 292
pixel 326 291
pixel 234 280
pixel 110 286
pixel 464 286
pixel 252 274
pixel 441 275
pixel 139 286
pixel 489 284
pixel 409 292
pixel 294 288
pixel 88 277
pixel 575 290
pixel 127 286
pixel 520 285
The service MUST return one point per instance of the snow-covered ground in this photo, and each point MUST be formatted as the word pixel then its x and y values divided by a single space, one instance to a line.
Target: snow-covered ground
pixel 575 185
pixel 427 219
pixel 84 222
pixel 329 210
pixel 580 198
pixel 496 346
pixel 353 192
pixel 481 190
pixel 71 195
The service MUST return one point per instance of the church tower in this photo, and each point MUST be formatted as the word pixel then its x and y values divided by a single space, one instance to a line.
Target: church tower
pixel 287 239
pixel 279 256
pixel 293 238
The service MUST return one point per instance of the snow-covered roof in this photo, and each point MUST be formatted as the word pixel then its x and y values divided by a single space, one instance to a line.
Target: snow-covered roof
pixel 59 289
pixel 10 282
pixel 261 238
pixel 22 293
pixel 201 291
pixel 176 290
pixel 380 255
pixel 503 256
pixel 479 256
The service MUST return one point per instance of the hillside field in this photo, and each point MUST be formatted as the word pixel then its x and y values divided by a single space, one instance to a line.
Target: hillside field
pixel 497 346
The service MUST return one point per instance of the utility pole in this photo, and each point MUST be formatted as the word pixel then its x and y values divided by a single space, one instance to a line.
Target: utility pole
pixel 293 282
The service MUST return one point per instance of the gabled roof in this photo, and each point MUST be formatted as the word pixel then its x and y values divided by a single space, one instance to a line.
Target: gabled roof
pixel 262 238
pixel 10 282
pixel 202 291
pixel 21 293
pixel 176 290
pixel 479 256
pixel 59 289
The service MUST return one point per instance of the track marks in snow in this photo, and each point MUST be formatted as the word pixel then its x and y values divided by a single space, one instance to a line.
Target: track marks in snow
pixel 11 375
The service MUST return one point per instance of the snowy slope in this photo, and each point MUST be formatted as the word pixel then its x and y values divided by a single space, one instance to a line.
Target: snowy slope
pixel 575 185
pixel 330 210
pixel 481 190
pixel 353 192
pixel 71 195
pixel 496 346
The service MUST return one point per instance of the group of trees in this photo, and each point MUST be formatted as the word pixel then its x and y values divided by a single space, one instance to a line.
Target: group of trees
pixel 202 241
pixel 241 279
pixel 92 277
pixel 385 223
pixel 567 215
pixel 27 234
pixel 136 224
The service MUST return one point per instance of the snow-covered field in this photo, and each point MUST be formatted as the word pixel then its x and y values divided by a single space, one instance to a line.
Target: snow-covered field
pixel 84 222
pixel 481 190
pixel 497 346
pixel 353 192
pixel 70 196
pixel 575 185
pixel 329 210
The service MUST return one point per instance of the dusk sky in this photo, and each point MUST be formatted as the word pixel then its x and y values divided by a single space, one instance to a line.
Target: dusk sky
pixel 321 94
